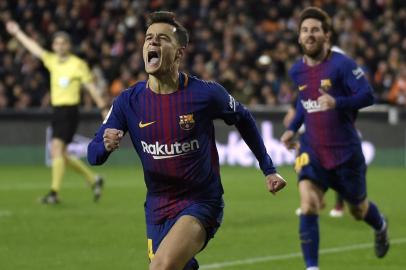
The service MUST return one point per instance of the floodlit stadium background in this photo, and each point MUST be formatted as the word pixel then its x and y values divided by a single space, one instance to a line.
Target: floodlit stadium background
pixel 247 46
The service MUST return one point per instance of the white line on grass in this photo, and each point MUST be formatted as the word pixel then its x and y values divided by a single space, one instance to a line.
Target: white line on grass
pixel 281 257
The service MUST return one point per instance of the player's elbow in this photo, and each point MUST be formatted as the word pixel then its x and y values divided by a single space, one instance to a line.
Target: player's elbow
pixel 369 99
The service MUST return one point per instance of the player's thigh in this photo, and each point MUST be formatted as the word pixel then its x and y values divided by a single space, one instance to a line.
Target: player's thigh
pixel 350 183
pixel 65 120
pixel 311 197
pixel 184 240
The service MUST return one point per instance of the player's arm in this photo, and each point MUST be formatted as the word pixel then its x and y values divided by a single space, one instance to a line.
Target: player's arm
pixel 233 113
pixel 31 45
pixel 288 137
pixel 97 98
pixel 361 91
pixel 109 135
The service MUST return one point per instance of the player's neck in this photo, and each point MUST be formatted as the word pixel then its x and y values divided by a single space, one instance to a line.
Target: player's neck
pixel 164 84
pixel 63 58
pixel 315 60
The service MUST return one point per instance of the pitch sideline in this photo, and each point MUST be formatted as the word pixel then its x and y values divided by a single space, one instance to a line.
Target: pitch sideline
pixel 281 257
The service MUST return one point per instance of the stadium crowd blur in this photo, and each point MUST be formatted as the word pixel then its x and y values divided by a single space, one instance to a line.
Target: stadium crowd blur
pixel 247 46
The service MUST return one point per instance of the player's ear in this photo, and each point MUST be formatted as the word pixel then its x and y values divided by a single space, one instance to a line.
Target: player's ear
pixel 180 52
pixel 328 36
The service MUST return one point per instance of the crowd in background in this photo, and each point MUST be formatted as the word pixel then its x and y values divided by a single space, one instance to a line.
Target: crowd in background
pixel 247 46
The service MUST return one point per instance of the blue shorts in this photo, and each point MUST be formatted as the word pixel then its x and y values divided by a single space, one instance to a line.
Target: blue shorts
pixel 209 213
pixel 348 179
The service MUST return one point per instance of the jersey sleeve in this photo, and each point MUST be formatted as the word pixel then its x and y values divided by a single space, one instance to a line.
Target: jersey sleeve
pixel 225 107
pixel 84 72
pixel 96 152
pixel 361 92
pixel 298 120
pixel 48 58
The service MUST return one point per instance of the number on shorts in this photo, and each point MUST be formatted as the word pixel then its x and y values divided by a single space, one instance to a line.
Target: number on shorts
pixel 301 161
pixel 150 250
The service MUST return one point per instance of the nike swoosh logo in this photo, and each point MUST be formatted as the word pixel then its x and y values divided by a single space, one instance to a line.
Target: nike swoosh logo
pixel 302 87
pixel 141 125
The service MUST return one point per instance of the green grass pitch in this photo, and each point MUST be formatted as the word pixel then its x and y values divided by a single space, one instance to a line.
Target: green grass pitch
pixel 259 231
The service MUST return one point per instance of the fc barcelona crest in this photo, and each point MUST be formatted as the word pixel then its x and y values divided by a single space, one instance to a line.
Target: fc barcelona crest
pixel 186 122
pixel 325 84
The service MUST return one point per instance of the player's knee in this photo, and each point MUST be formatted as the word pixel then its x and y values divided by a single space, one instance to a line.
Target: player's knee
pixel 163 263
pixel 357 213
pixel 309 208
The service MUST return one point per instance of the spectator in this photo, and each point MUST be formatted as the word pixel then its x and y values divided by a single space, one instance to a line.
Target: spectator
pixel 397 94
pixel 228 39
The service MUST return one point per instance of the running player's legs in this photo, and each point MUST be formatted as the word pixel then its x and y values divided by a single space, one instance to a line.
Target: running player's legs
pixel 311 197
pixel 64 124
pixel 164 239
pixel 312 186
pixel 351 184
pixel 184 240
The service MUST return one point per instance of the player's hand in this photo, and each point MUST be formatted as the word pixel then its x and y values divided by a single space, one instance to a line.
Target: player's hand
pixel 288 139
pixel 12 27
pixel 112 138
pixel 326 101
pixel 275 182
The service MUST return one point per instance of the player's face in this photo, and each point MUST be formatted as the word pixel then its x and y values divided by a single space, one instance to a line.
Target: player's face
pixel 161 49
pixel 61 46
pixel 312 37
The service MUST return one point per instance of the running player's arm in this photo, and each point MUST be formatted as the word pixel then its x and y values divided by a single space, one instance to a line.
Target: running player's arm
pixel 87 80
pixel 108 136
pixel 97 98
pixel 232 112
pixel 31 45
pixel 225 107
pixel 288 137
pixel 361 90
pixel 298 119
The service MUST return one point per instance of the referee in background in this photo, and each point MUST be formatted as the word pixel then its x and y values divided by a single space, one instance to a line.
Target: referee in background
pixel 68 74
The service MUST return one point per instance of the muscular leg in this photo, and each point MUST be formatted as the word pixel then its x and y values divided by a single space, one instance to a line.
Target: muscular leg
pixel 81 168
pixel 185 239
pixel 367 211
pixel 311 202
pixel 58 149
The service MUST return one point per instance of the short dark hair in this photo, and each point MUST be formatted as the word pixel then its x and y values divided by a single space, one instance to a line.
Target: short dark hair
pixel 61 34
pixel 169 17
pixel 318 14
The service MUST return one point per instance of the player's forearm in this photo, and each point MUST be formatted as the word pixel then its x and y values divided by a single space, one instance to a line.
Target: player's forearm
pixel 250 134
pixel 298 119
pixel 30 44
pixel 358 101
pixel 100 103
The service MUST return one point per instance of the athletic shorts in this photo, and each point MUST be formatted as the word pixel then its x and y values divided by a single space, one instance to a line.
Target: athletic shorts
pixel 348 179
pixel 210 214
pixel 65 120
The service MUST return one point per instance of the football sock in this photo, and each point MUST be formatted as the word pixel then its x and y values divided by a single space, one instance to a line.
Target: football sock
pixel 309 238
pixel 58 169
pixel 80 167
pixel 374 218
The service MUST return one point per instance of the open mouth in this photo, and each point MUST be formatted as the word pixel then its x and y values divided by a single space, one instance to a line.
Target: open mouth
pixel 153 57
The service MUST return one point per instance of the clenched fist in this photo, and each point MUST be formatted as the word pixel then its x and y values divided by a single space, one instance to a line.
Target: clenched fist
pixel 112 138
pixel 275 182
pixel 12 27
